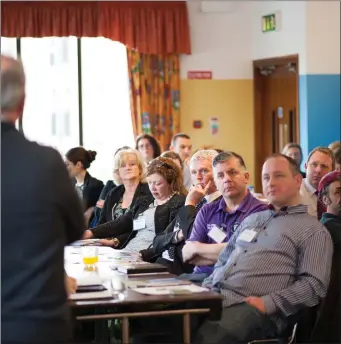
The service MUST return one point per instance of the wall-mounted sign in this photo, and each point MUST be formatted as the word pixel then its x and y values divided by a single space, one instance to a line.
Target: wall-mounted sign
pixel 214 125
pixel 197 124
pixel 199 74
pixel 271 22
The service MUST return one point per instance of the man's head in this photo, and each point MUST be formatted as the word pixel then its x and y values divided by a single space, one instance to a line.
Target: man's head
pixel 12 89
pixel 201 168
pixel 294 151
pixel 320 161
pixel 230 175
pixel 181 144
pixel 337 156
pixel 334 146
pixel 281 179
pixel 330 192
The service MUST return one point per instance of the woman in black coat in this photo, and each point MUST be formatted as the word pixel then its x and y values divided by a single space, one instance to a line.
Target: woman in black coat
pixel 150 215
pixel 77 161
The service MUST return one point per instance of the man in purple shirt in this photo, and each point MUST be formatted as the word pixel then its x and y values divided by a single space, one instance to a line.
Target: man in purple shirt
pixel 217 221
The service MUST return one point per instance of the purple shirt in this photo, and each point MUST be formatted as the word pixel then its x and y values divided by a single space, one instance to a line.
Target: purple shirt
pixel 215 214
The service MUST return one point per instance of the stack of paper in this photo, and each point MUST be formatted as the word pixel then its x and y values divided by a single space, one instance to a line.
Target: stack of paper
pixel 171 290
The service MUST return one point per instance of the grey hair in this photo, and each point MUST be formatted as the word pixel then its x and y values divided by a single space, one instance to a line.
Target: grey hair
pixel 12 84
pixel 204 154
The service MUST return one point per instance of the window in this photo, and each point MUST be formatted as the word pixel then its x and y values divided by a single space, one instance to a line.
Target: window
pixel 107 121
pixel 53 115
pixel 51 109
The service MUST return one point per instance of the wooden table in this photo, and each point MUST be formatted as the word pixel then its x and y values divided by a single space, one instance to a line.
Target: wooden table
pixel 136 305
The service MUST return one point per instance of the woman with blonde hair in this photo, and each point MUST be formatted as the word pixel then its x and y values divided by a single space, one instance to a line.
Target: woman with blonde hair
pixel 150 215
pixel 129 177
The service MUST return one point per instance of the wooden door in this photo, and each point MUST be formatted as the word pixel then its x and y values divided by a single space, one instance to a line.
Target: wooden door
pixel 276 112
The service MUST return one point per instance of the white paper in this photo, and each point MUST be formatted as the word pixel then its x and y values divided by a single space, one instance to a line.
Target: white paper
pixel 94 295
pixel 192 288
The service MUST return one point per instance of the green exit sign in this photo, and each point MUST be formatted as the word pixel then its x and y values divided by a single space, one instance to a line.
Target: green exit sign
pixel 270 22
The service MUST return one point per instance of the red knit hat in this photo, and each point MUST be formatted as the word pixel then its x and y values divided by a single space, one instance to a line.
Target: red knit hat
pixel 328 179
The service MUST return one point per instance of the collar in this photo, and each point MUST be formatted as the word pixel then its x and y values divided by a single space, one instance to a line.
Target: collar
pixel 243 206
pixel 296 209
pixel 213 196
pixel 310 189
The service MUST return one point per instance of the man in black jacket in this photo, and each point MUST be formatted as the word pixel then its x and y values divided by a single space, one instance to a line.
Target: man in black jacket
pixel 40 214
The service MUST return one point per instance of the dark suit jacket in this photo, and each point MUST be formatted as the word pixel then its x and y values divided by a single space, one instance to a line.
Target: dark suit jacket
pixel 91 191
pixel 122 228
pixel 162 242
pixel 114 197
pixel 40 214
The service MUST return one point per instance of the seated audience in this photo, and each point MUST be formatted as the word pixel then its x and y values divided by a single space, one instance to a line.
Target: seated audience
pixel 77 161
pixel 129 175
pixel 320 162
pixel 337 156
pixel 217 221
pixel 204 191
pixel 294 151
pixel 327 328
pixel 107 188
pixel 334 146
pixel 148 147
pixel 277 262
pixel 150 215
pixel 181 144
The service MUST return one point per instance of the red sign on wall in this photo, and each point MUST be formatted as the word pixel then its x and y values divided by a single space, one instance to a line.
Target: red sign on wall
pixel 199 74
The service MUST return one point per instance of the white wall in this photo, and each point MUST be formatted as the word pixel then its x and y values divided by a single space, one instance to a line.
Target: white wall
pixel 220 42
pixel 323 37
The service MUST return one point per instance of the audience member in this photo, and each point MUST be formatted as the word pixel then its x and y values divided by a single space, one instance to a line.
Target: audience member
pixel 77 161
pixel 217 221
pixel 40 214
pixel 277 262
pixel 107 188
pixel 320 162
pixel 181 144
pixel 337 156
pixel 130 177
pixel 334 146
pixel 148 147
pixel 204 191
pixel 294 151
pixel 150 215
pixel 175 157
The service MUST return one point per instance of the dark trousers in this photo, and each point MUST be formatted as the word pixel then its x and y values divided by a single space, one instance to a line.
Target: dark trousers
pixel 239 323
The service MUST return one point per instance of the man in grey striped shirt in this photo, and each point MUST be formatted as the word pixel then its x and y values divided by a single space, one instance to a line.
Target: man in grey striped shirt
pixel 276 263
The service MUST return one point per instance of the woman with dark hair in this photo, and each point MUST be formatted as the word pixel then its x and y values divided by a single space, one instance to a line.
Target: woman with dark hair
pixel 77 161
pixel 148 146
pixel 174 156
pixel 150 215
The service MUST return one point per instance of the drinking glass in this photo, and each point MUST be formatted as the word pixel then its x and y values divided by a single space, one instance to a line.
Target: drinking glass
pixel 90 256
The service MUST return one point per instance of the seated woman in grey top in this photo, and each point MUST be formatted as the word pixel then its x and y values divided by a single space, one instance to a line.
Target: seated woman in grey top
pixel 150 215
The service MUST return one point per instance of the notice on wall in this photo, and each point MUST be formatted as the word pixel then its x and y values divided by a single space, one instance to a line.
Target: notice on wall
pixel 199 74
pixel 214 125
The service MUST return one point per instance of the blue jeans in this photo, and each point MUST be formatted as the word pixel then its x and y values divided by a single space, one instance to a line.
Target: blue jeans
pixel 239 323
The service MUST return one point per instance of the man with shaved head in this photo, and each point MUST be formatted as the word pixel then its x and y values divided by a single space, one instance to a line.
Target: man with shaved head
pixel 40 214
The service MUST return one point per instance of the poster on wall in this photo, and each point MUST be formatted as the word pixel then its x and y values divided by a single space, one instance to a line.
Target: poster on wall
pixel 214 125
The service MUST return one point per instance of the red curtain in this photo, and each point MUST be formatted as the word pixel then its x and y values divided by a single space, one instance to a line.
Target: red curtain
pixel 151 27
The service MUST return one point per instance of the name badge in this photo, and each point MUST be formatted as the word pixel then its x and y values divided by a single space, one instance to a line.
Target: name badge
pixel 217 234
pixel 139 223
pixel 248 235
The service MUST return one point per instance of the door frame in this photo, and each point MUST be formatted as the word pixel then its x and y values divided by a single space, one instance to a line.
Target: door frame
pixel 257 108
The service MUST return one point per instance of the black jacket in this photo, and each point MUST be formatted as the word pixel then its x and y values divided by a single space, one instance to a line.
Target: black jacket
pixel 328 325
pixel 40 214
pixel 185 221
pixel 114 197
pixel 122 228
pixel 91 191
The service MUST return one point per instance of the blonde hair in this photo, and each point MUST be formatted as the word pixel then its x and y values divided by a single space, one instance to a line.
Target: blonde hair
pixel 169 170
pixel 121 157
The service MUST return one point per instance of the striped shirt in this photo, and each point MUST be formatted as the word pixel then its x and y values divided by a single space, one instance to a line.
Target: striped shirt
pixel 287 262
